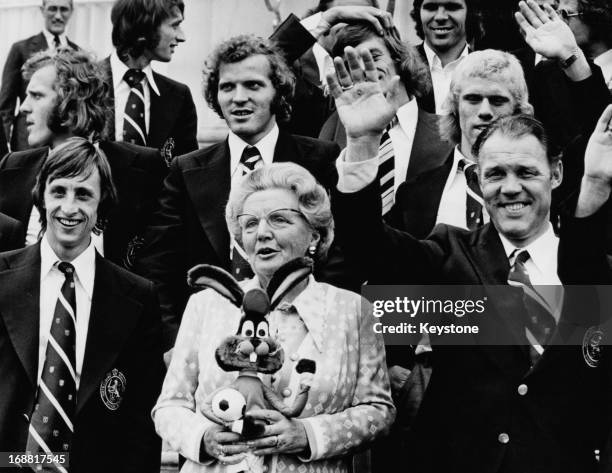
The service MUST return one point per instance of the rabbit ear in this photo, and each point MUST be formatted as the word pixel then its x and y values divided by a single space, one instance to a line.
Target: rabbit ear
pixel 287 277
pixel 207 275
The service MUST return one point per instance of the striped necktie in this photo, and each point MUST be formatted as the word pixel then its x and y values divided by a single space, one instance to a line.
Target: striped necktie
pixel 473 199
pixel 386 169
pixel 51 424
pixel 134 125
pixel 540 321
pixel 250 159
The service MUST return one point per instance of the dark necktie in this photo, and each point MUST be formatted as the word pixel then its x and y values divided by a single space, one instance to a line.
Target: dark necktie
pixel 473 199
pixel 540 321
pixel 134 125
pixel 386 169
pixel 250 159
pixel 56 42
pixel 51 425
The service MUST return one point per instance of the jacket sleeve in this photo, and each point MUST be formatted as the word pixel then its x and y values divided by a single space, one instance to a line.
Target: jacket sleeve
pixel 292 38
pixel 371 412
pixel 186 131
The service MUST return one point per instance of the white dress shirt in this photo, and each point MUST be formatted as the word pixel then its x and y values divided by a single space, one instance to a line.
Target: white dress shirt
pixel 355 176
pixel 122 92
pixel 441 76
pixel 265 146
pixel 51 280
pixel 51 39
pixel 34 227
pixel 604 61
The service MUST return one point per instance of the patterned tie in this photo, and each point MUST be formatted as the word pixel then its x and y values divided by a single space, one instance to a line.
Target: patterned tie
pixel 473 202
pixel 540 321
pixel 386 169
pixel 56 42
pixel 134 125
pixel 251 159
pixel 51 425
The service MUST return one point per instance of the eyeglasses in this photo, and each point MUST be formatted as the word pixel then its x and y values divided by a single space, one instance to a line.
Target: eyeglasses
pixel 567 14
pixel 276 219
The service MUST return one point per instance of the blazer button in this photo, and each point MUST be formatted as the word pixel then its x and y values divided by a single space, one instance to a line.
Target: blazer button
pixel 503 438
pixel 286 392
pixel 522 389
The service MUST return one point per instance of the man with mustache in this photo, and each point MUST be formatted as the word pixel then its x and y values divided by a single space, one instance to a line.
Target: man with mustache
pixel 56 14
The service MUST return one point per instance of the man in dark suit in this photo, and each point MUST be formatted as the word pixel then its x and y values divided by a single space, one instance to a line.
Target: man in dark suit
pixel 249 84
pixel 55 110
pixel 56 14
pixel 493 408
pixel 80 338
pixel 150 109
pixel 11 233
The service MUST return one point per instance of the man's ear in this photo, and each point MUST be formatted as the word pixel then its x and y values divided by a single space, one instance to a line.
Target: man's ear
pixel 556 173
pixel 315 238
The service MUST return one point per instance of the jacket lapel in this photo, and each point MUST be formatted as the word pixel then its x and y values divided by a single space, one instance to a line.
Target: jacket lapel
pixel 112 319
pixel 208 187
pixel 21 308
pixel 286 149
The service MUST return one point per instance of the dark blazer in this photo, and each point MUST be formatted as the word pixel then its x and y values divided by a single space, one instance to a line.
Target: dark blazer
pixel 14 87
pixel 11 233
pixel 138 174
pixel 428 101
pixel 124 334
pixel 472 396
pixel 172 116
pixel 189 227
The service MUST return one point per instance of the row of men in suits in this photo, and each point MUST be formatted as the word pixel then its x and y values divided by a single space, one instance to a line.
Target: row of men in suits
pixel 149 109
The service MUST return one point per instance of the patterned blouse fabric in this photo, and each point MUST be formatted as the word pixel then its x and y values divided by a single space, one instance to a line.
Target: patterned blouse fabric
pixel 349 404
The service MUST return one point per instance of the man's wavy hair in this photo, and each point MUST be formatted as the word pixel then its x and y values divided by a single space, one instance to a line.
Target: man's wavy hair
pixel 83 96
pixel 597 14
pixel 136 24
pixel 412 70
pixel 239 48
pixel 490 64
pixel 76 157
pixel 473 20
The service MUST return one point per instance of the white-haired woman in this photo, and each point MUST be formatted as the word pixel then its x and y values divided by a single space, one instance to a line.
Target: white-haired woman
pixel 279 212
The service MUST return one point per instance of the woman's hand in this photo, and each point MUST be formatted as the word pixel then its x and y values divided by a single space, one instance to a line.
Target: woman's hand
pixel 223 445
pixel 282 435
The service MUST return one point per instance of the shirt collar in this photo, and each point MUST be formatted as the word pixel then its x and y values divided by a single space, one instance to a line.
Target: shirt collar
pixel 265 146
pixel 408 114
pixel 49 37
pixel 84 264
pixel 119 68
pixel 310 306
pixel 434 60
pixel 604 61
pixel 458 156
pixel 542 251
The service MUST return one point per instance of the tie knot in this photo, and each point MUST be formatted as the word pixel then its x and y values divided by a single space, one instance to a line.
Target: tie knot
pixel 66 268
pixel 133 77
pixel 521 256
pixel 250 157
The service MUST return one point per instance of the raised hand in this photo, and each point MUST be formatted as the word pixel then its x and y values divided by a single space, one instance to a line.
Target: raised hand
pixel 362 106
pixel 597 179
pixel 544 31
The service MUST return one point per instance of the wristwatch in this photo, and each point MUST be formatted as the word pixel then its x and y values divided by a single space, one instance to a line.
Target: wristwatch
pixel 565 63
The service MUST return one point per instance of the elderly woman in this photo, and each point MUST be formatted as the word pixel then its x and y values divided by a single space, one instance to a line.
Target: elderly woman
pixel 279 212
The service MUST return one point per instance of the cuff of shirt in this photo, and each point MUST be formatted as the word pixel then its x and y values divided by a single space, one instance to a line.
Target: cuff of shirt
pixel 353 177
pixel 315 440
pixel 311 22
pixel 195 440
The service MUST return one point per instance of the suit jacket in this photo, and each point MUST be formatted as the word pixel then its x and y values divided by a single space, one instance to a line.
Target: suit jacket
pixel 138 174
pixel 14 87
pixel 172 115
pixel 123 334
pixel 11 233
pixel 189 227
pixel 428 101
pixel 472 396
